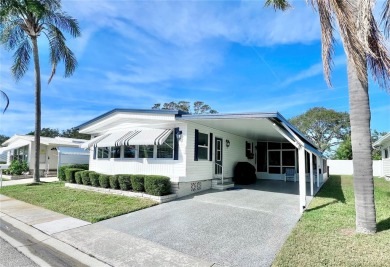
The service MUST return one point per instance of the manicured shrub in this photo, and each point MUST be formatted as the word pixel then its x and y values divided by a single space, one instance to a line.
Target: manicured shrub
pixel 94 178
pixel 70 174
pixel 61 172
pixel 104 180
pixel 114 184
pixel 137 182
pixel 124 181
pixel 157 185
pixel 77 177
pixel 17 168
pixel 85 178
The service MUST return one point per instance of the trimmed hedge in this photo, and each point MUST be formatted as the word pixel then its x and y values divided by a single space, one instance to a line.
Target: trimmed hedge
pixel 124 181
pixel 77 177
pixel 104 180
pixel 85 178
pixel 137 182
pixel 114 184
pixel 70 174
pixel 157 185
pixel 61 172
pixel 94 178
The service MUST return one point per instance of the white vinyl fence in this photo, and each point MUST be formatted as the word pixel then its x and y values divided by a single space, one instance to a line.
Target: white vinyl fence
pixel 345 167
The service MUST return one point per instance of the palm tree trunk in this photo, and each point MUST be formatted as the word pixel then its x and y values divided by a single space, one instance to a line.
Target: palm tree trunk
pixel 360 116
pixel 37 135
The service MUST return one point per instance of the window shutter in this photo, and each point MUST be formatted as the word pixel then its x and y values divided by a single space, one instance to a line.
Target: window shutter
pixel 94 152
pixel 211 148
pixel 196 145
pixel 175 145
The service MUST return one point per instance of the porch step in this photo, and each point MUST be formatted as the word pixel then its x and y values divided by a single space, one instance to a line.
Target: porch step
pixel 217 183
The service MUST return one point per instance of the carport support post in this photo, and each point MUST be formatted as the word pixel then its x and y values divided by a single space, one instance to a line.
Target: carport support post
pixel 302 179
pixel 318 170
pixel 311 175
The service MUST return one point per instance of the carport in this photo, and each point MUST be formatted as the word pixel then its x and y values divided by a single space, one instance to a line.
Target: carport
pixel 309 164
pixel 246 226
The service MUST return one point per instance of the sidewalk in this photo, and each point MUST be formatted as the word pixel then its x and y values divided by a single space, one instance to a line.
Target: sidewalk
pixel 80 241
pixel 28 181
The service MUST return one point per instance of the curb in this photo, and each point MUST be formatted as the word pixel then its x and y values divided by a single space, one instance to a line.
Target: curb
pixel 54 244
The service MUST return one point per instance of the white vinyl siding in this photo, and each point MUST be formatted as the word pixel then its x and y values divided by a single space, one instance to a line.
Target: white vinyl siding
pixel 204 169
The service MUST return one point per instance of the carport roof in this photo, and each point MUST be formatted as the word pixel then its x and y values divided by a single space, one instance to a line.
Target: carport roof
pixel 258 126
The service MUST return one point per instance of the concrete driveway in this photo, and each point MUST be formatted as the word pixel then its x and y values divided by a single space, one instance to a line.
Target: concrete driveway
pixel 243 227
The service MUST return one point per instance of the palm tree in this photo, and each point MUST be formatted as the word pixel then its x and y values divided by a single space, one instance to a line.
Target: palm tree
pixel 22 22
pixel 5 97
pixel 364 46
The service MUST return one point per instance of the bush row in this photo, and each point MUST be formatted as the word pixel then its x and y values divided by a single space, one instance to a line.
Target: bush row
pixel 61 171
pixel 151 184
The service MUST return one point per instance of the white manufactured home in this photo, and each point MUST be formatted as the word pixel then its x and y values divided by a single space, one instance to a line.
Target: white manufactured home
pixel 384 144
pixel 22 147
pixel 198 152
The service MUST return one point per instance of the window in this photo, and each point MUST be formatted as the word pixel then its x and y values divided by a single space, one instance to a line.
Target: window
pixel 103 152
pixel 386 153
pixel 129 152
pixel 115 152
pixel 146 151
pixel 20 154
pixel 165 151
pixel 203 146
pixel 280 157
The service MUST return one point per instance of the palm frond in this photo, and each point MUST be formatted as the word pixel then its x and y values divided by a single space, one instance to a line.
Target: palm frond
pixel 59 51
pixel 21 58
pixel 327 37
pixel 64 22
pixel 379 57
pixel 386 18
pixel 11 34
pixel 5 97
pixel 278 4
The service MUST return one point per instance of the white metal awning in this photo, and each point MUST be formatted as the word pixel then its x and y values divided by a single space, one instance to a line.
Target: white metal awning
pixel 93 141
pixel 116 138
pixel 148 137
pixel 15 145
pixel 135 137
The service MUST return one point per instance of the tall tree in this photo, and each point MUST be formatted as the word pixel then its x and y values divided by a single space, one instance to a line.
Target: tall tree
pixel 47 132
pixel 199 107
pixel 73 133
pixel 6 99
pixel 3 138
pixel 22 22
pixel 325 127
pixel 364 46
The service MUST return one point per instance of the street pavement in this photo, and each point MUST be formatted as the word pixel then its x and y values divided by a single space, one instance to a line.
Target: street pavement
pixel 11 257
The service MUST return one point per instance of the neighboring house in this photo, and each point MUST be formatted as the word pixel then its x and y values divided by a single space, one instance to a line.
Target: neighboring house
pixel 197 150
pixel 21 147
pixel 384 144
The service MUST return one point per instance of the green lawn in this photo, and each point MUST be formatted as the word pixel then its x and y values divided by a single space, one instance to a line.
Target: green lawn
pixel 84 205
pixel 325 234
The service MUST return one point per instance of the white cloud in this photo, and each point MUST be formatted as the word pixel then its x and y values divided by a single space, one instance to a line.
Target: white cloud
pixel 312 71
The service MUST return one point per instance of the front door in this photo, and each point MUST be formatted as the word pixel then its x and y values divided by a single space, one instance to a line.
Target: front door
pixel 218 156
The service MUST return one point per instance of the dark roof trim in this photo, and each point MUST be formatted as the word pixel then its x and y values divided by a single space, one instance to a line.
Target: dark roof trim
pixel 229 116
pixel 177 113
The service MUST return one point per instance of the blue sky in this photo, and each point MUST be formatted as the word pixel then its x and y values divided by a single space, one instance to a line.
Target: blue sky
pixel 234 55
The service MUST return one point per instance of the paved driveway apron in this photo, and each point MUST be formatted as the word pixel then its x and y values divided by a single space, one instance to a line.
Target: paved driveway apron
pixel 237 228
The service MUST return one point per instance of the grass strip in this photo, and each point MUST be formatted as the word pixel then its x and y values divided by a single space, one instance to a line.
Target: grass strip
pixel 84 205
pixel 325 235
